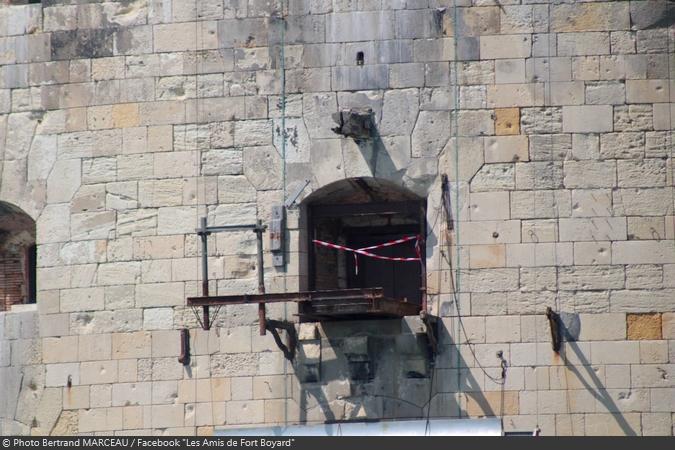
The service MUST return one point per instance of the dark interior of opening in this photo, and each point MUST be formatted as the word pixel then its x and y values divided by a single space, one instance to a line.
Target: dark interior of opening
pixel 367 213
pixel 18 257
pixel 338 269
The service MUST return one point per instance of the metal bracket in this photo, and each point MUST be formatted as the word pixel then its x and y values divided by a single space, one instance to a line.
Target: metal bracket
pixel 290 201
pixel 447 205
pixel 184 357
pixel 204 231
pixel 277 234
pixel 554 323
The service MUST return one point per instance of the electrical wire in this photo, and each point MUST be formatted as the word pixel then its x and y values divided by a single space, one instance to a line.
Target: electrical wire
pixel 282 100
pixel 670 134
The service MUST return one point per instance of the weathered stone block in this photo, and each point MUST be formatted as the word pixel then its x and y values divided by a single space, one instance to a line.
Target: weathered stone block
pixel 605 93
pixel 517 94
pixel 360 26
pixel 487 256
pixel 642 202
pixel 489 206
pixel 541 120
pixel 494 177
pixel 592 253
pixel 591 203
pixel 246 412
pixel 503 329
pixel 506 46
pixel 506 149
pixel 358 78
pixel 159 294
pixel 633 118
pixel 566 93
pixel 646 228
pixel 629 145
pixel 619 352
pixel 431 133
pixel 589 17
pixel 550 147
pixel 668 325
pixel 94 347
pixel 644 326
pixel 83 299
pixel 644 173
pixel 580 44
pixel 399 112
pixel 642 252
pixel 131 345
pixel 507 121
pixel 591 277
pixel 593 229
pixel 585 146
pixel 652 375
pixel 602 327
pixel 641 301
pixel 582 174
pixel 587 119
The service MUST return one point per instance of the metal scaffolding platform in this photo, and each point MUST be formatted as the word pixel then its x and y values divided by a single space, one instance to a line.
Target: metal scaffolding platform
pixel 342 304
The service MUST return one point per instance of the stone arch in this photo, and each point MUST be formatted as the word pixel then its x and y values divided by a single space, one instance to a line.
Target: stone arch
pixel 18 256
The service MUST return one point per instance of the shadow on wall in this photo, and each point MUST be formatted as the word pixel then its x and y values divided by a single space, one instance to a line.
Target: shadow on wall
pixel 597 389
pixel 383 370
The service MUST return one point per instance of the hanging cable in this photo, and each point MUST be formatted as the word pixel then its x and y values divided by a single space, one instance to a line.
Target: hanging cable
pixel 670 128
pixel 282 101
pixel 454 121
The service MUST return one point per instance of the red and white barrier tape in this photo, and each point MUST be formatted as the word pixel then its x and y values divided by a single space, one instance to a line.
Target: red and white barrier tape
pixel 364 250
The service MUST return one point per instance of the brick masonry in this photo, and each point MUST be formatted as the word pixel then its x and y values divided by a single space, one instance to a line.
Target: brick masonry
pixel 124 122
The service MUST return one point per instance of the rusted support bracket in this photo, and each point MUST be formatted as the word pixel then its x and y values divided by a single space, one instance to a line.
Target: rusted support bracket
pixel 554 323
pixel 447 205
pixel 262 318
pixel 184 357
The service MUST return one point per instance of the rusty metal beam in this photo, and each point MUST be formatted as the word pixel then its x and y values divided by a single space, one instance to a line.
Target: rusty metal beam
pixel 371 293
pixel 357 209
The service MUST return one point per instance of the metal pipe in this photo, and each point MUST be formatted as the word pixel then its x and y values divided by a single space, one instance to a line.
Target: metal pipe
pixel 261 277
pixel 227 228
pixel 338 294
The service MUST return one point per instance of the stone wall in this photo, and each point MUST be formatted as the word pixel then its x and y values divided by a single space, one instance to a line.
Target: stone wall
pixel 123 123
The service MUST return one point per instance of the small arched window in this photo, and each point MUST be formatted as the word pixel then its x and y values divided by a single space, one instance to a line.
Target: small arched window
pixel 360 58
pixel 18 257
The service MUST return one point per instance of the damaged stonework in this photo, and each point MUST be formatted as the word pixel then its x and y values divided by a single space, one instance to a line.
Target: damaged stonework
pixel 354 123
pixel 351 361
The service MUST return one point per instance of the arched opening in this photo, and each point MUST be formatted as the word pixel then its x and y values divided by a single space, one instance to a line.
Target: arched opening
pixel 18 257
pixel 373 214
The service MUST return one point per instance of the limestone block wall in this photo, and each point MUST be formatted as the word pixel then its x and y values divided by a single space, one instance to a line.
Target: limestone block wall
pixel 123 123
